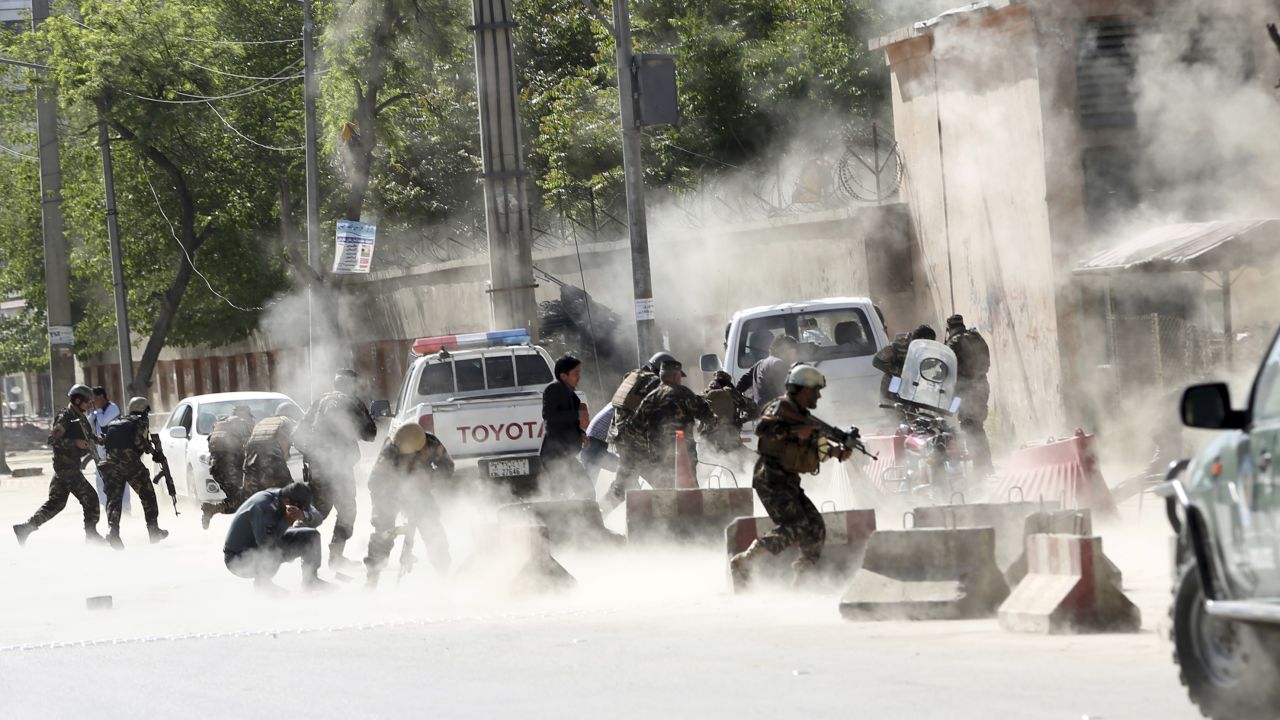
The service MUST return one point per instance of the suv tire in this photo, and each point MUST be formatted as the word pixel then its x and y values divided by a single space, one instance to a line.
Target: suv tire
pixel 1228 668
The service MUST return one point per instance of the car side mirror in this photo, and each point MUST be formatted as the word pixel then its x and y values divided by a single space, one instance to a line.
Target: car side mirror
pixel 380 408
pixel 709 362
pixel 1208 406
pixel 178 433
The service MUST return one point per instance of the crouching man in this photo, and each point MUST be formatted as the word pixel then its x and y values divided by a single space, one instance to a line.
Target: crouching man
pixel 262 537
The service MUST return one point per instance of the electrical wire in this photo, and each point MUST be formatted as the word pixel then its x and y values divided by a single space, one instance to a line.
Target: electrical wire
pixel 196 270
pixel 242 77
pixel 254 89
pixel 250 140
pixel 242 42
pixel 19 155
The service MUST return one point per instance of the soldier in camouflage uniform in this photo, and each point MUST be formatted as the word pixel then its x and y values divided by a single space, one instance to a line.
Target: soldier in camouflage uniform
pixel 669 408
pixel 328 439
pixel 266 454
pixel 128 438
pixel 400 482
pixel 226 461
pixel 889 359
pixel 70 440
pixel 973 360
pixel 633 389
pixel 789 445
pixel 732 408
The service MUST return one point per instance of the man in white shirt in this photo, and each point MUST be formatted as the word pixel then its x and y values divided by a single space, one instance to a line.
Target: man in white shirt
pixel 104 411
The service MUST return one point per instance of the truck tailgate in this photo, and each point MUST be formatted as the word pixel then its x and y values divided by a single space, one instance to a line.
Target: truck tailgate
pixel 489 427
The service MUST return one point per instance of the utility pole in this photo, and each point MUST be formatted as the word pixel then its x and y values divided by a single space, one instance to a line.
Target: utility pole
pixel 633 176
pixel 507 220
pixel 117 263
pixel 313 187
pixel 57 278
pixel 4 405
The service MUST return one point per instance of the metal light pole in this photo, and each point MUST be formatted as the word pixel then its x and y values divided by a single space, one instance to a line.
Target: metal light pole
pixel 117 263
pixel 57 278
pixel 313 186
pixel 4 402
pixel 633 175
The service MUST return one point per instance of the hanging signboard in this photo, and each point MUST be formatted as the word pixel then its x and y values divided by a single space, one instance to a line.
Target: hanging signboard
pixel 354 251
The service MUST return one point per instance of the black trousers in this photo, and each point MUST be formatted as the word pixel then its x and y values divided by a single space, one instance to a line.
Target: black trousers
pixel 264 562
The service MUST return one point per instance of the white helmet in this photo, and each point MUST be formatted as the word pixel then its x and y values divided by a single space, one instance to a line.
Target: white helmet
pixel 803 376
pixel 139 405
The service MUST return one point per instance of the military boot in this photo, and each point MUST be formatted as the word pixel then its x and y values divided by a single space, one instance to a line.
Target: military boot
pixel 337 561
pixel 113 539
pixel 156 534
pixel 23 530
pixel 92 537
pixel 805 572
pixel 740 564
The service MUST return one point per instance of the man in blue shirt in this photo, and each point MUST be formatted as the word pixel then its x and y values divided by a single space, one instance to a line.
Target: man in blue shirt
pixel 263 536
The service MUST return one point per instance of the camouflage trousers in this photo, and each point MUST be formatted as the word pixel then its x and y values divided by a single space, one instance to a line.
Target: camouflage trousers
pixel 63 485
pixel 262 471
pixel 388 499
pixel 115 476
pixel 796 520
pixel 333 487
pixel 228 473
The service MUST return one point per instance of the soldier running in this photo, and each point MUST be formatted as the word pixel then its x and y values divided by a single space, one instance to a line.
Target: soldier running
pixel 70 439
pixel 400 482
pixel 631 391
pixel 127 439
pixel 226 461
pixel 266 454
pixel 329 434
pixel 789 445
pixel 670 408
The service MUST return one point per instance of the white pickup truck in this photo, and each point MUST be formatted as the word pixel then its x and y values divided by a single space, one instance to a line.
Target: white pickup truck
pixel 481 394
pixel 838 335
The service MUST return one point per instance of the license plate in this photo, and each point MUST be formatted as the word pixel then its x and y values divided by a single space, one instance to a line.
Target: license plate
pixel 509 468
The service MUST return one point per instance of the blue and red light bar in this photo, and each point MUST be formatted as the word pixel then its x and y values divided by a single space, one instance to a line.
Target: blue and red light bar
pixel 495 338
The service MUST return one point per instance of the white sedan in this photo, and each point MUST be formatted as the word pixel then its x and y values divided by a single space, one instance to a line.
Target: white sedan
pixel 185 438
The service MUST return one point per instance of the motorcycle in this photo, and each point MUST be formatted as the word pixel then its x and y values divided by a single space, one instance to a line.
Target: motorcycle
pixel 936 457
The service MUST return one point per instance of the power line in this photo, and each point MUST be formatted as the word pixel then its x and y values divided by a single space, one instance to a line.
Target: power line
pixel 17 154
pixel 196 270
pixel 242 77
pixel 250 140
pixel 197 99
pixel 243 42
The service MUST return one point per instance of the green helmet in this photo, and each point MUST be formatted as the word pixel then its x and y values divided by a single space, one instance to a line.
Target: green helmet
pixel 139 405
pixel 803 376
pixel 79 390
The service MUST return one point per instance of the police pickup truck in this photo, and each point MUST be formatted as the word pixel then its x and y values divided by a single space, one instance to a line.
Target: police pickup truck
pixel 481 394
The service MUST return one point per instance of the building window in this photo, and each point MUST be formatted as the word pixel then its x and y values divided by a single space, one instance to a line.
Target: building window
pixel 1104 73
pixel 1110 186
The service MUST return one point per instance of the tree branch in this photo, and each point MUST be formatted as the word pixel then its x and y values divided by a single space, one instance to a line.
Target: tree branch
pixel 377 109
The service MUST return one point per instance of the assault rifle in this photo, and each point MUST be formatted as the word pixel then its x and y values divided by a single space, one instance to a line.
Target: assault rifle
pixel 157 454
pixel 849 439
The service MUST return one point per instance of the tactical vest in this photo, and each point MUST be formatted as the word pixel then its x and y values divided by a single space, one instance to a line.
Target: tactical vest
pixel 722 404
pixel 972 354
pixel 635 385
pixel 119 434
pixel 792 455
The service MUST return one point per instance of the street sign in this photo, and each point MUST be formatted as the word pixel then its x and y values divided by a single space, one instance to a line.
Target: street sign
pixel 354 250
pixel 62 335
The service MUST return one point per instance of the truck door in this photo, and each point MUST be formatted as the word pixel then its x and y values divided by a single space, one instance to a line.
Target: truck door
pixel 1262 492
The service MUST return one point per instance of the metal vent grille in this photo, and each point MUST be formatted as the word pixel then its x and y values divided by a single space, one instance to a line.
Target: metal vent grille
pixel 1104 73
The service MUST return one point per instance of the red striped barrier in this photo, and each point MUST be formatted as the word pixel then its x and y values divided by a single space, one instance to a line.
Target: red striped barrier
pixel 890 451
pixel 847 534
pixel 1062 470
pixel 698 515
pixel 1067 590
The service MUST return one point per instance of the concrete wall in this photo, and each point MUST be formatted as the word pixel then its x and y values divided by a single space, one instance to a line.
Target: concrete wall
pixel 968 118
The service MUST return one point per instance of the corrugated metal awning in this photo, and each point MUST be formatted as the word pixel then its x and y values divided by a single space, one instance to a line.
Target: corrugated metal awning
pixel 1190 247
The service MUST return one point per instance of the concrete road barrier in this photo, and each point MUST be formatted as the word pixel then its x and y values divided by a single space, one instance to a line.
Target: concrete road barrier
pixel 1059 522
pixel 1067 590
pixel 1007 519
pixel 847 534
pixel 568 522
pixel 516 555
pixel 685 515
pixel 927 574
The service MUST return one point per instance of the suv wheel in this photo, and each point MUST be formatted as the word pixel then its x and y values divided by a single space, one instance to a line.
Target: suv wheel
pixel 1228 668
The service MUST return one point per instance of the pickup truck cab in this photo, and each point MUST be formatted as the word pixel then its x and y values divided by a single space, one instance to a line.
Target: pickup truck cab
pixel 838 335
pixel 481 395
pixel 1224 505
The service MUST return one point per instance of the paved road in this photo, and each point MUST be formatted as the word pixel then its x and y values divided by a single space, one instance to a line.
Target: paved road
pixel 645 634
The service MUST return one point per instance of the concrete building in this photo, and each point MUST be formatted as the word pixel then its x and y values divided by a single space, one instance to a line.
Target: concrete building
pixel 1030 132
